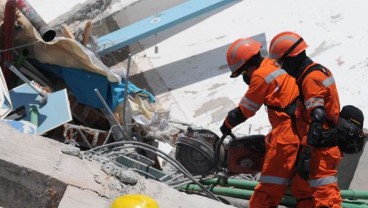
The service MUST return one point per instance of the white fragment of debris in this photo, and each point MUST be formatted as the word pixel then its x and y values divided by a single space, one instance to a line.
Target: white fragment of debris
pixel 166 148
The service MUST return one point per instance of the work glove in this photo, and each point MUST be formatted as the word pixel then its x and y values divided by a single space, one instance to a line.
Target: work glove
pixel 314 133
pixel 303 165
pixel 225 130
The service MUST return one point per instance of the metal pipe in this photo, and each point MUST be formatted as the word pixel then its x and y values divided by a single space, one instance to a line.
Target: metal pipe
pixel 43 95
pixel 119 132
pixel 30 13
pixel 126 96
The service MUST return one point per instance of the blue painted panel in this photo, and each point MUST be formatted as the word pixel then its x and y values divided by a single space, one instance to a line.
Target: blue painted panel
pixel 51 115
pixel 151 25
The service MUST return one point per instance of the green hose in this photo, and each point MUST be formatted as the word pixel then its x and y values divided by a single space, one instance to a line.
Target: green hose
pixel 250 185
pixel 353 194
pixel 348 204
pixel 246 194
pixel 243 189
pixel 232 182
pixel 236 193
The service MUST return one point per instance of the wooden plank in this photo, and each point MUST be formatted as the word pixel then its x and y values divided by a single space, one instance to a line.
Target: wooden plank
pixel 156 23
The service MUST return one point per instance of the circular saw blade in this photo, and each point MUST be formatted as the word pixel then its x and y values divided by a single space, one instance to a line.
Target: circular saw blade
pixel 195 161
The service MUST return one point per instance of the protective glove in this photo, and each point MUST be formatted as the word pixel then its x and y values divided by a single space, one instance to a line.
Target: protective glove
pixel 314 133
pixel 303 165
pixel 225 130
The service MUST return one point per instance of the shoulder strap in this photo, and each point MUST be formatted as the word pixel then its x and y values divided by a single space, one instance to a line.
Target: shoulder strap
pixel 315 67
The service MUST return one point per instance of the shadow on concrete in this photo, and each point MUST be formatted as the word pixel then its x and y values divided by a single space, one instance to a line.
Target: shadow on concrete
pixel 188 71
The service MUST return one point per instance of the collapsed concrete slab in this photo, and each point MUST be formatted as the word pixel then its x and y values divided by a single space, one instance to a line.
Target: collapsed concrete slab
pixel 35 172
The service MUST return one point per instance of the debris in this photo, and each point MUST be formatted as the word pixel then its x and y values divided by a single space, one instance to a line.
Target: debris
pixel 71 150
pixel 124 176
pixel 51 115
pixel 84 136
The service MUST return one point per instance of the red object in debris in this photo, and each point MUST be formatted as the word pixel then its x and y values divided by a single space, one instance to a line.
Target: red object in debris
pixel 7 35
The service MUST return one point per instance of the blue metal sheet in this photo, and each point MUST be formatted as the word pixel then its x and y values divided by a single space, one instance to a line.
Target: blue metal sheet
pixel 153 24
pixel 51 115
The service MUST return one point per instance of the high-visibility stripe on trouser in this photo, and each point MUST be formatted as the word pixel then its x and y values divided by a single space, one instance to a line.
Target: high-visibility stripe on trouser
pixel 323 180
pixel 278 168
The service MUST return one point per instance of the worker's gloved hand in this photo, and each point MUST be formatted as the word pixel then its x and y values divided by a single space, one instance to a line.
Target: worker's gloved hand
pixel 314 133
pixel 225 130
pixel 303 165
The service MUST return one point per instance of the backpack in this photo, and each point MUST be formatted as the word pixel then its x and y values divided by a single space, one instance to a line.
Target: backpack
pixel 349 134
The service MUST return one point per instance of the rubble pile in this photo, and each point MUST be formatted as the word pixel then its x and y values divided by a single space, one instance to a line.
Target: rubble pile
pixel 80 131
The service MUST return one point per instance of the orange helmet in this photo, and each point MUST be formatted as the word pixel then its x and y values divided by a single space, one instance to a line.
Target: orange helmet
pixel 240 52
pixel 286 44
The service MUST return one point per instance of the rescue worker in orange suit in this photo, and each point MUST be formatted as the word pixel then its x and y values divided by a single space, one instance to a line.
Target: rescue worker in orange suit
pixel 317 113
pixel 272 86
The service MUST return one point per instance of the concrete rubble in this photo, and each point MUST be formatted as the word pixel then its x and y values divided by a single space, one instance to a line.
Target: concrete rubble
pixel 34 170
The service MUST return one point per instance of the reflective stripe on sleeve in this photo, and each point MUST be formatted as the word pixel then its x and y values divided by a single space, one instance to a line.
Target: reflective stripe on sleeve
pixel 250 105
pixel 273 75
pixel 323 181
pixel 314 102
pixel 329 81
pixel 274 180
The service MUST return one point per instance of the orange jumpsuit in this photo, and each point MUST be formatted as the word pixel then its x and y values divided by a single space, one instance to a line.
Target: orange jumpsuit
pixel 319 90
pixel 271 86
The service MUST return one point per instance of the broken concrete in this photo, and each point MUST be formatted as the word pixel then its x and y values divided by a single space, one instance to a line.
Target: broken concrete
pixel 33 170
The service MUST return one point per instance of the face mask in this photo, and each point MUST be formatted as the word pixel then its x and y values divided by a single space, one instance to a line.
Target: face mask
pixel 295 66
pixel 246 79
